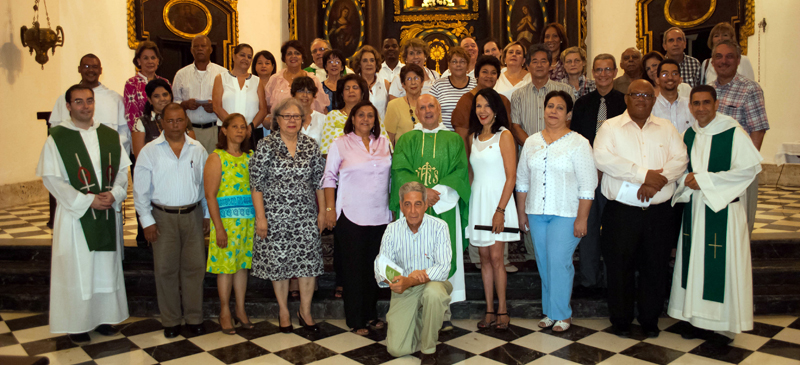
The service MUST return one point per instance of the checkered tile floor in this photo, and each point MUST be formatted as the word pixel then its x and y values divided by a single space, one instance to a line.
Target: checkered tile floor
pixel 774 341
pixel 778 212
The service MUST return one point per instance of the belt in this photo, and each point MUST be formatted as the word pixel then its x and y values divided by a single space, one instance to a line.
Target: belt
pixel 180 210
pixel 204 126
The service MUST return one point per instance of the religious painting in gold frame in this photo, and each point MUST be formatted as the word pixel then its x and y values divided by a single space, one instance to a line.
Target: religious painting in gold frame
pixel 688 13
pixel 418 5
pixel 187 18
pixel 344 26
pixel 525 20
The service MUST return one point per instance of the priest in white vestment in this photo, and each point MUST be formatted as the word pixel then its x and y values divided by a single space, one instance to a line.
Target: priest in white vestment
pixel 87 288
pixel 712 286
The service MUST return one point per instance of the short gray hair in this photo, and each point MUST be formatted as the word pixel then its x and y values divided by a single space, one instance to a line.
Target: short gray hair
pixel 729 43
pixel 413 186
pixel 320 40
pixel 664 35
pixel 283 105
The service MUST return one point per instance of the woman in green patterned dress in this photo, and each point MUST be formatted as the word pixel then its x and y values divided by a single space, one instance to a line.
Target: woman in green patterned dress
pixel 227 188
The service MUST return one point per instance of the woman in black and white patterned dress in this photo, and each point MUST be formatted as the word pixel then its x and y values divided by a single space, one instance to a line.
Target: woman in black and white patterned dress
pixel 285 176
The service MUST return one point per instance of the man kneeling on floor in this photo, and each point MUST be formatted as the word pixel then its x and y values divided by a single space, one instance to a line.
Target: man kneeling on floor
pixel 419 245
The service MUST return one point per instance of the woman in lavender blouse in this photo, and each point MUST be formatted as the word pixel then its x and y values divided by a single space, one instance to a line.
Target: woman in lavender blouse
pixel 360 161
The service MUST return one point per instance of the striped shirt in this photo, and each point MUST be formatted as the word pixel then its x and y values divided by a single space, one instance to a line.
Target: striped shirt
pixel 428 249
pixel 448 96
pixel 162 178
pixel 527 104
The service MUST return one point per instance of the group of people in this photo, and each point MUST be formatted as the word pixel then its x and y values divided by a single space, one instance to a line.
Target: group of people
pixel 265 161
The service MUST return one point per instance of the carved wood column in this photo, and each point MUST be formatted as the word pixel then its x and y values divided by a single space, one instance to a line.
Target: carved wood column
pixel 307 25
pixel 496 19
pixel 375 31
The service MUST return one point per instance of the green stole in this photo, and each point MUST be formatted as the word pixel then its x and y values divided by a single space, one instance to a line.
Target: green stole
pixel 432 159
pixel 716 226
pixel 99 229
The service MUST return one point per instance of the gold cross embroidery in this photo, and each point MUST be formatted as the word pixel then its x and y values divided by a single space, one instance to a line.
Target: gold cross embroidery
pixel 715 245
pixel 428 174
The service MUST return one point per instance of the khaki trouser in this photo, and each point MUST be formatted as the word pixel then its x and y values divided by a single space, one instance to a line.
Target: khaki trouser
pixel 415 318
pixel 180 266
pixel 207 137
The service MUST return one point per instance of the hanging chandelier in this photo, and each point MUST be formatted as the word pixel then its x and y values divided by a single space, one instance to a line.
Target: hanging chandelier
pixel 41 39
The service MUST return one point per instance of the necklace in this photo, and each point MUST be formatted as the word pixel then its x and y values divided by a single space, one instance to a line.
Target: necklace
pixel 411 112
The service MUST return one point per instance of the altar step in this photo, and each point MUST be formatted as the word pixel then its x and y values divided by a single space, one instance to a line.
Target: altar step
pixel 25 275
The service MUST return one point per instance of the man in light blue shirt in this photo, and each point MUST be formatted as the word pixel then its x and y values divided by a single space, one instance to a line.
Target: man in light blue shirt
pixel 418 244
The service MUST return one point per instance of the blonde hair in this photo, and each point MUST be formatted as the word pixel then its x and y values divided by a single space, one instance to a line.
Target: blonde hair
pixel 414 43
pixel 507 47
pixel 572 50
pixel 718 29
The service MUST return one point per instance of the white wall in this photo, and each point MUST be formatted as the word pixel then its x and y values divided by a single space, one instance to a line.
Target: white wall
pixel 90 26
pixel 24 89
pixel 612 29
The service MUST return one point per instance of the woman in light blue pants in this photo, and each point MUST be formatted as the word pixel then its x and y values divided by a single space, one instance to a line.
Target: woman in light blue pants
pixel 556 179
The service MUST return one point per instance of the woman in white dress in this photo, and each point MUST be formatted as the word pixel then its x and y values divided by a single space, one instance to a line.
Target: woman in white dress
pixel 515 75
pixel 366 64
pixel 493 163
pixel 237 91
pixel 556 179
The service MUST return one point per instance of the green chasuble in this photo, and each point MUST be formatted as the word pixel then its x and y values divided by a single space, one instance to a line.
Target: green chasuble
pixel 434 159
pixel 99 227
pixel 716 224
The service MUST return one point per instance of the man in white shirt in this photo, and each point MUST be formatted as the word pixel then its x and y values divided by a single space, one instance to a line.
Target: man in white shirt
pixel 641 156
pixel 669 105
pixel 85 167
pixel 108 106
pixel 419 245
pixel 192 88
pixel 391 60
pixel 169 197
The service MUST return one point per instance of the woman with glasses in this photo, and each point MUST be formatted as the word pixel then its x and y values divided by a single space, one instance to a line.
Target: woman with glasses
pixel 447 90
pixel 401 115
pixel 574 60
pixel 285 176
pixel 414 51
pixel 333 61
pixel 556 180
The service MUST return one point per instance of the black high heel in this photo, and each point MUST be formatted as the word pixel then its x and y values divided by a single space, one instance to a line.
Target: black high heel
pixel 305 325
pixel 246 325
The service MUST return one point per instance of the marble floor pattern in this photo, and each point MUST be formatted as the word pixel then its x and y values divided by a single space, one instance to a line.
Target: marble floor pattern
pixel 775 340
pixel 778 212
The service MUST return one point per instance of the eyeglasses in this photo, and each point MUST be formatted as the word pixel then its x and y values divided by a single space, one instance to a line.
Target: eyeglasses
pixel 601 71
pixel 290 116
pixel 414 78
pixel 673 73
pixel 334 62
pixel 321 49
pixel 640 95
pixel 458 62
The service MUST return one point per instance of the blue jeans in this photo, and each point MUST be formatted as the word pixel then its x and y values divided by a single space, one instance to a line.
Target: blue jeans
pixel 554 244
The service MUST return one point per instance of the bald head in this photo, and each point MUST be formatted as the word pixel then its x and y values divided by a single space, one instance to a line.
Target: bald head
pixel 428 111
pixel 640 100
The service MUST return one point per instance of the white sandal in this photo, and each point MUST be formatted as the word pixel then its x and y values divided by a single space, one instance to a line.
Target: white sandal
pixel 547 322
pixel 563 326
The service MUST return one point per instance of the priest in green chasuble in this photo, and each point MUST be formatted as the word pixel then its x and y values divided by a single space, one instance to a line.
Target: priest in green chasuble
pixel 85 167
pixel 434 156
pixel 712 285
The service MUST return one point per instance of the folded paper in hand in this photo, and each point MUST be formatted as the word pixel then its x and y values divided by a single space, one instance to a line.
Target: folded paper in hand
pixel 627 195
pixel 390 268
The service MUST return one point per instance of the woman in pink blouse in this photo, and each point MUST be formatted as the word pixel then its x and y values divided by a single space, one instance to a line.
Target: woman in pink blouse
pixel 146 60
pixel 279 86
pixel 360 161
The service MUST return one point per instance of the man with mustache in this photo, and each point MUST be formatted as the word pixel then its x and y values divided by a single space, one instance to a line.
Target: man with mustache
pixel 743 100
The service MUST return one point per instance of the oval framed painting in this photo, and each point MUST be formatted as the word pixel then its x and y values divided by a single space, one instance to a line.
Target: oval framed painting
pixel 187 18
pixel 688 13
pixel 525 20
pixel 344 26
